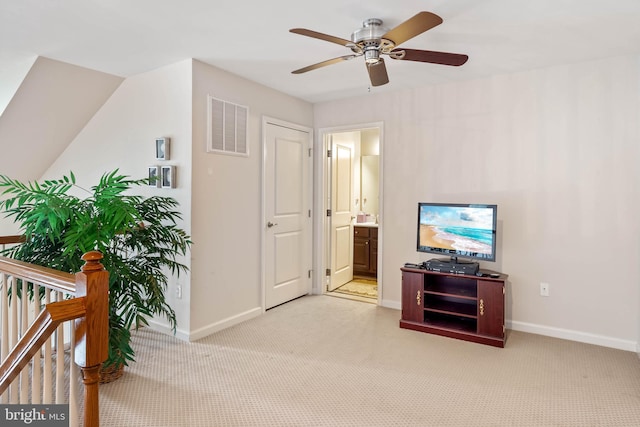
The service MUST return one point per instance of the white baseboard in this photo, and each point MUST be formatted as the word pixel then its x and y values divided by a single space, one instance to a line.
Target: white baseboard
pixel 571 335
pixel 391 304
pixel 224 323
pixel 166 329
pixel 207 330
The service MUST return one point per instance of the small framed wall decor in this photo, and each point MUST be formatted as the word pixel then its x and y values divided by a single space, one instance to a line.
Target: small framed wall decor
pixel 154 176
pixel 168 175
pixel 163 148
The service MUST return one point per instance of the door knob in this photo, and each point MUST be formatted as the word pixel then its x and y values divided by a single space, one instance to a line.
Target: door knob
pixel 271 224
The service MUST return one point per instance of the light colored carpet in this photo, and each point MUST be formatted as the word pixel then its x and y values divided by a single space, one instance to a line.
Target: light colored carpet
pixel 321 361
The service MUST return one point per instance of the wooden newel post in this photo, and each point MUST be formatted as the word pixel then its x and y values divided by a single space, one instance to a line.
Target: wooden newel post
pixel 92 331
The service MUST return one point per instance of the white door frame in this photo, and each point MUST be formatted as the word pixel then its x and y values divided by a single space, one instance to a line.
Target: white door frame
pixel 266 120
pixel 322 232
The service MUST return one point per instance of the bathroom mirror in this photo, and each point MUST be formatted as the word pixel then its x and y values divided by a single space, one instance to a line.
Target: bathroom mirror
pixel 369 201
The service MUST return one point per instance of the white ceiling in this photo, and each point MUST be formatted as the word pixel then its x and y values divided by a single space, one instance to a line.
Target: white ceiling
pixel 251 38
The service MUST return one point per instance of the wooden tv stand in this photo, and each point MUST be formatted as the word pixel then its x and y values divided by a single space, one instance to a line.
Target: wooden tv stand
pixel 459 306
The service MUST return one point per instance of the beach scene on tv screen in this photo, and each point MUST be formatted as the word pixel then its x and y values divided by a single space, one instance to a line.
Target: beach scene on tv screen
pixel 463 229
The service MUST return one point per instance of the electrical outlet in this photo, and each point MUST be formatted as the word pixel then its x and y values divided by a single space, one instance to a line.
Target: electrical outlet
pixel 544 289
pixel 179 292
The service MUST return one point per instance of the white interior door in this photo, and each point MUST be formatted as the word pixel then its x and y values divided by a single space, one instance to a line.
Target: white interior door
pixel 342 155
pixel 287 205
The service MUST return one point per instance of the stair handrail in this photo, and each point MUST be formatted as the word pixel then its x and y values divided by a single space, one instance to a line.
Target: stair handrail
pixel 8 240
pixel 89 308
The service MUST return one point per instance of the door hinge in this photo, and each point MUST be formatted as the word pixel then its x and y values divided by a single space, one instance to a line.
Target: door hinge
pixel 328 153
pixel 309 152
pixel 309 275
pixel 327 272
pixel 309 213
pixel 328 212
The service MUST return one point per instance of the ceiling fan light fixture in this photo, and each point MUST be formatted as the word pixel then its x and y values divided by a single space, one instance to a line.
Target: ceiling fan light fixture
pixel 371 55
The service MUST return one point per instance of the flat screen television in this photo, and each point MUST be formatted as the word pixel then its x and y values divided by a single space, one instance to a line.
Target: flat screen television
pixel 458 230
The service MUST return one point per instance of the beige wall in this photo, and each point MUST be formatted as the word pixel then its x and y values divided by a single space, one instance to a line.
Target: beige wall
pixel 227 205
pixel 220 196
pixel 122 134
pixel 557 149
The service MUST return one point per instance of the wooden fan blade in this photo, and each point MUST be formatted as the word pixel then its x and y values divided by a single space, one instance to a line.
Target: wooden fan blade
pixel 324 63
pixel 321 36
pixel 444 58
pixel 413 26
pixel 378 73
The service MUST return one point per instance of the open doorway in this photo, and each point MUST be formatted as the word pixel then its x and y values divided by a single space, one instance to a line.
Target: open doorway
pixel 353 201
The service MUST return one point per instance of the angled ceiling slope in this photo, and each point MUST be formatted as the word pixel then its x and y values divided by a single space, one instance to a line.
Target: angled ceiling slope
pixel 11 76
pixel 51 106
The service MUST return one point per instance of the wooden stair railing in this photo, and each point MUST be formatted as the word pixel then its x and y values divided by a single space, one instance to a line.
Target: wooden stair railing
pixel 88 306
pixel 9 240
pixel 44 326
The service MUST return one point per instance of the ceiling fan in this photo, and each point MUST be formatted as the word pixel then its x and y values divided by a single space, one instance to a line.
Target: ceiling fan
pixel 373 40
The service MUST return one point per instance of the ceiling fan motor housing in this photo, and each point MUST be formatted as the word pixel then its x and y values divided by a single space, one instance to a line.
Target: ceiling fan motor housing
pixel 371 30
pixel 369 39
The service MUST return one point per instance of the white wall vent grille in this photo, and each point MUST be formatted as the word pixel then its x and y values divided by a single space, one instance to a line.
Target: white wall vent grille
pixel 227 127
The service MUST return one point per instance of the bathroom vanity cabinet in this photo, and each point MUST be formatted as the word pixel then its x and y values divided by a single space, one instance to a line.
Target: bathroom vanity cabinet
pixel 365 251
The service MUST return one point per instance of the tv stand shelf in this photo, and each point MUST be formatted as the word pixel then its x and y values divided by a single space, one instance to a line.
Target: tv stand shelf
pixel 454 305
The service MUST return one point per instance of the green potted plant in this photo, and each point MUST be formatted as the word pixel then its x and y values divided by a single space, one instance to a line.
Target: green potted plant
pixel 138 237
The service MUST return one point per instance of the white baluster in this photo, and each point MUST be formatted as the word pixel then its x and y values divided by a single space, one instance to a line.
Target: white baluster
pixel 36 376
pixel 14 304
pixel 60 359
pixel 4 312
pixel 47 381
pixel 24 325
